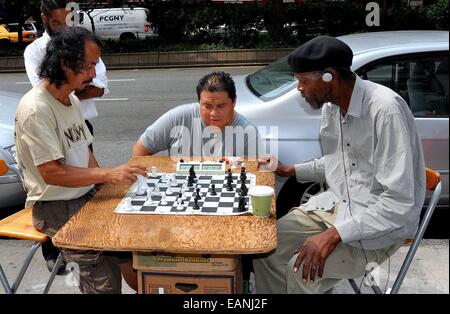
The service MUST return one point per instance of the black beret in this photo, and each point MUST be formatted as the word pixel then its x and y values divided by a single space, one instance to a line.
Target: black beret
pixel 320 53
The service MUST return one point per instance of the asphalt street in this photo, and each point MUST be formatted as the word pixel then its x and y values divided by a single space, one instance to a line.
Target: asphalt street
pixel 136 99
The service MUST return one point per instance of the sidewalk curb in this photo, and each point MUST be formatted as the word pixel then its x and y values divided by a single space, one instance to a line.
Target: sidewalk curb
pixel 179 59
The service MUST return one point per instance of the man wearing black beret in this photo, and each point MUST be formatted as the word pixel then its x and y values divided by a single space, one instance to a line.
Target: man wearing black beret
pixel 373 165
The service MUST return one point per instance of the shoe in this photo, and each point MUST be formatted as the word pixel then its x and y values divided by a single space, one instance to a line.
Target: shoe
pixel 52 262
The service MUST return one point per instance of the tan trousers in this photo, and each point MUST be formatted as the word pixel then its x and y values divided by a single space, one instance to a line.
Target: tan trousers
pixel 274 271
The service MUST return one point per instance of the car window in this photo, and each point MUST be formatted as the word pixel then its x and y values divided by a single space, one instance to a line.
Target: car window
pixel 272 81
pixel 421 80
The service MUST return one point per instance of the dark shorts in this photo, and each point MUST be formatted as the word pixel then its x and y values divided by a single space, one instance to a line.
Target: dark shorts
pixel 96 272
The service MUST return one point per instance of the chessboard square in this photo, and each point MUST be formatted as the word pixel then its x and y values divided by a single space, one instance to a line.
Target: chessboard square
pixel 137 203
pixel 176 210
pixel 191 204
pixel 208 209
pixel 204 178
pixel 148 208
pixel 210 204
pixel 216 182
pixel 227 194
pixel 227 199
pixel 212 199
pixel 163 209
pixel 226 204
pixel 181 178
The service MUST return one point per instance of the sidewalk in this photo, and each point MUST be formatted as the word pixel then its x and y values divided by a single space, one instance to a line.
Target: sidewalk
pixel 429 272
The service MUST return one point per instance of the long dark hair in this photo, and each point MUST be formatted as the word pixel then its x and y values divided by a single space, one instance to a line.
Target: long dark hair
pixel 67 47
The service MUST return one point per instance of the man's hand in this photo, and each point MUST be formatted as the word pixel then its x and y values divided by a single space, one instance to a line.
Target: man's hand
pixel 125 174
pixel 314 252
pixel 271 163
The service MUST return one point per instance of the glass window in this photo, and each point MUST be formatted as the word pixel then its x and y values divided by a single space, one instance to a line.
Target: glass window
pixel 421 81
pixel 272 81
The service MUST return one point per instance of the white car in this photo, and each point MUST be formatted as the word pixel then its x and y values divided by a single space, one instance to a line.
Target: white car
pixel 412 63
pixel 11 189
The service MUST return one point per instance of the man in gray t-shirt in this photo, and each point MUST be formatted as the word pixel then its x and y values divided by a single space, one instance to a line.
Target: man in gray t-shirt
pixel 211 128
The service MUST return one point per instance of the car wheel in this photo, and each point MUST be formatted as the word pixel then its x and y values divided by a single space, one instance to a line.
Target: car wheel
pixel 293 194
pixel 127 36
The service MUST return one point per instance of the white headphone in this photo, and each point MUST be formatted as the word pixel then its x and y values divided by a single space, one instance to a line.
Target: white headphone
pixel 327 76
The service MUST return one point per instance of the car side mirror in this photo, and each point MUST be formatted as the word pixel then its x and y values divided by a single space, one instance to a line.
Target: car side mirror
pixel 3 167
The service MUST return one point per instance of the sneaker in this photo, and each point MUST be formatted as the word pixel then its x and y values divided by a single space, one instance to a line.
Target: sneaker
pixel 51 263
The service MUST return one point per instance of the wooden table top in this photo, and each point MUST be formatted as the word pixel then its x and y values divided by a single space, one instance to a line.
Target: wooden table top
pixel 97 227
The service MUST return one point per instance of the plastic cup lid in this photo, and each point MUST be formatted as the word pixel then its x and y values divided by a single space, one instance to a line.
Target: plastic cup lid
pixel 260 190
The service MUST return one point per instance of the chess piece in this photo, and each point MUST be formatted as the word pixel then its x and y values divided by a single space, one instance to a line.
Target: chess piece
pixel 127 204
pixel 157 188
pixel 228 185
pixel 169 189
pixel 149 199
pixel 142 185
pixel 183 193
pixel 180 203
pixel 242 203
pixel 154 172
pixel 173 181
pixel 190 182
pixel 229 174
pixel 244 189
pixel 196 204
pixel 213 190
pixel 192 172
pixel 197 196
pixel 180 197
pixel 163 199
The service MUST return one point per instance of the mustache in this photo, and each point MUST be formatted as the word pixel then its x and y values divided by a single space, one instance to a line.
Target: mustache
pixel 88 81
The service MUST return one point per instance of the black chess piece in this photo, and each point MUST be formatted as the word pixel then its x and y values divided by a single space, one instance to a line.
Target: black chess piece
pixel 197 196
pixel 244 188
pixel 196 204
pixel 242 203
pixel 228 185
pixel 229 174
pixel 213 190
pixel 181 160
pixel 190 181
pixel 192 172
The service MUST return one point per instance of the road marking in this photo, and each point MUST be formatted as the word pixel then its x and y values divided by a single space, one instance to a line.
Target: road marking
pixel 111 99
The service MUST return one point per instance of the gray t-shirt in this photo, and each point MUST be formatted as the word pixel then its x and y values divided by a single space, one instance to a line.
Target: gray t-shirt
pixel 182 132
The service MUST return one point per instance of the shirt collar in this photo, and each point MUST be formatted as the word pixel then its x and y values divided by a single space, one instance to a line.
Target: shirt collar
pixel 355 106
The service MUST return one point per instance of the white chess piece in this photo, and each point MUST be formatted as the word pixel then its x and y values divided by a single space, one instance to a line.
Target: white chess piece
pixel 173 181
pixel 142 185
pixel 127 204
pixel 163 199
pixel 156 188
pixel 180 205
pixel 183 194
pixel 149 198
pixel 154 172
pixel 169 189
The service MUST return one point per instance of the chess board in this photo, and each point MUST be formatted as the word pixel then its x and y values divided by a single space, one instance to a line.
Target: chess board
pixel 224 203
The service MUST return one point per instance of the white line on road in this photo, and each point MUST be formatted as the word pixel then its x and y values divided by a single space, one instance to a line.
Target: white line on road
pixel 111 99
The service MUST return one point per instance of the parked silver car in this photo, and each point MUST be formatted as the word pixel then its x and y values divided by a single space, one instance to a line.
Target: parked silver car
pixel 11 189
pixel 412 63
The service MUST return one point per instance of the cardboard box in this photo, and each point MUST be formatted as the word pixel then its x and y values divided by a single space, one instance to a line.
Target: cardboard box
pixel 217 282
pixel 153 261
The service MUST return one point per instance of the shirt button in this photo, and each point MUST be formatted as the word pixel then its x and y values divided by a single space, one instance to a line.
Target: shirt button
pixel 348 144
pixel 345 201
pixel 353 164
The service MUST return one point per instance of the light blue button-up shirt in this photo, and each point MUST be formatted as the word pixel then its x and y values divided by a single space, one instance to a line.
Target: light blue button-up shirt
pixel 373 161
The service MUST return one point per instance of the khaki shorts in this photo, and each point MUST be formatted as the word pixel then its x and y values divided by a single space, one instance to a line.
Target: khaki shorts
pixel 98 271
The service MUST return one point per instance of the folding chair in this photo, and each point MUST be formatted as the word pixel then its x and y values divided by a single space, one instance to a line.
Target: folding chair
pixel 20 226
pixel 434 185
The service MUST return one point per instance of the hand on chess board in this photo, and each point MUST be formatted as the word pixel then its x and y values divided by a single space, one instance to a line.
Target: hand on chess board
pixel 124 174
